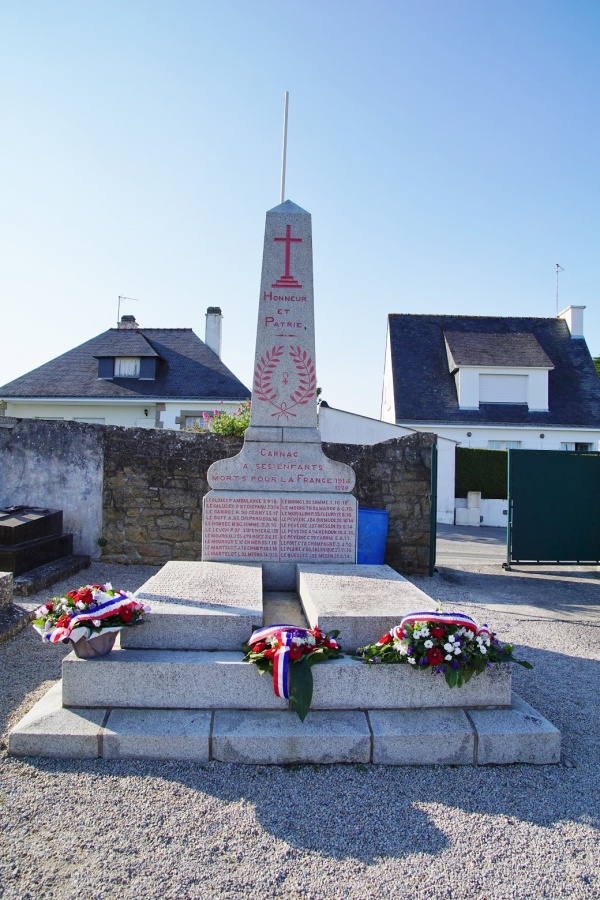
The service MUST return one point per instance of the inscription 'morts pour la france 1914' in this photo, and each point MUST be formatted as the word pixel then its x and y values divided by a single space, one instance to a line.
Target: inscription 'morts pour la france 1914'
pixel 285 381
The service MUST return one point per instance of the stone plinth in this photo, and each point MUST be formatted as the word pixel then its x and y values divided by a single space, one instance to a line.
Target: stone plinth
pixel 162 679
pixel 199 606
pixel 362 602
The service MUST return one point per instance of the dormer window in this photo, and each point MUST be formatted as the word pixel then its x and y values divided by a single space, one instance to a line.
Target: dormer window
pixel 505 368
pixel 127 367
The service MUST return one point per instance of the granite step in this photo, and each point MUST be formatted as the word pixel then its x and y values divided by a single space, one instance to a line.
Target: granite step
pixel 362 602
pixel 199 606
pixel 393 737
pixel 200 679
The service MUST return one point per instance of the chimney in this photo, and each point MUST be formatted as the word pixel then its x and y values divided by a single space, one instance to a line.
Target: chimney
pixel 128 322
pixel 573 316
pixel 212 337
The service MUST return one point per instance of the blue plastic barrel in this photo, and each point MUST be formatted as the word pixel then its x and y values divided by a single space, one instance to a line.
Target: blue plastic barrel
pixel 372 535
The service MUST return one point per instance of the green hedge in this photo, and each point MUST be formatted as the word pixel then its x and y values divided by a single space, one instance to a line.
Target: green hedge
pixel 481 470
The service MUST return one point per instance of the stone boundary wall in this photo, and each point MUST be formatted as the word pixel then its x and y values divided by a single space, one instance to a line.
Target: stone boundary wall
pixel 140 490
pixel 154 483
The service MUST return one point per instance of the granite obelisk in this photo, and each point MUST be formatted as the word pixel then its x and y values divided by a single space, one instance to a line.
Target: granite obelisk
pixel 281 500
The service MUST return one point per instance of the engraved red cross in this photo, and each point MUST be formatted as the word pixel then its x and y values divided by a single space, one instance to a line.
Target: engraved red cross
pixel 287 280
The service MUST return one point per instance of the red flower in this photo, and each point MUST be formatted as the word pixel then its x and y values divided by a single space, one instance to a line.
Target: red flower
pixel 438 632
pixel 85 595
pixel 269 654
pixel 386 639
pixel 434 656
pixel 98 587
pixel 72 595
pixel 295 653
pixel 259 647
pixel 63 622
pixel 126 614
pixel 49 606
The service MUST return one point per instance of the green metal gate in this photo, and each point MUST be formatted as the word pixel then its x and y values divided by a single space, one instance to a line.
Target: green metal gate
pixel 433 509
pixel 553 507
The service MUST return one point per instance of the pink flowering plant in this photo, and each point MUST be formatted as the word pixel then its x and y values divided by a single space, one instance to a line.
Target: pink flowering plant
pixel 232 424
pixel 90 610
pixel 449 644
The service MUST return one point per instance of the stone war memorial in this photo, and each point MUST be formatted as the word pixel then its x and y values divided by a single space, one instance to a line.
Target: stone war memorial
pixel 279 552
pixel 281 501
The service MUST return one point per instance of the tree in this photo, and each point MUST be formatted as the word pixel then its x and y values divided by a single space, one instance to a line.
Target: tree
pixel 597 364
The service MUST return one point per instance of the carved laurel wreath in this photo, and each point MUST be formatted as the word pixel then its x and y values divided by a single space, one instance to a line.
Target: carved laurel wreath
pixel 307 380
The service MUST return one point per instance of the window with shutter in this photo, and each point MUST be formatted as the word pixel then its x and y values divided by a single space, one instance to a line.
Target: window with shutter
pixel 503 388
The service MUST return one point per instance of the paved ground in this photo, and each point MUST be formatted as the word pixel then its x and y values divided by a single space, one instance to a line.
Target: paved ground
pixel 472 558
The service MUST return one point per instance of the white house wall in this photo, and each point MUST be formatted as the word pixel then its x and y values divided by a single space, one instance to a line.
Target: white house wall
pixel 528 437
pixel 341 427
pixel 388 412
pixel 126 413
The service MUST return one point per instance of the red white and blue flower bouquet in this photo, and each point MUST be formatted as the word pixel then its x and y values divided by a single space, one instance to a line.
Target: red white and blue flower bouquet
pixel 288 653
pixel 90 618
pixel 442 643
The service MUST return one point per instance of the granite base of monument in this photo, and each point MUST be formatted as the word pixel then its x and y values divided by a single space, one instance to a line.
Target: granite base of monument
pixel 169 700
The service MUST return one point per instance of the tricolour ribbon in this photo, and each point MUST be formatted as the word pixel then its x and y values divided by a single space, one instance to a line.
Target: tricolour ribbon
pixel 285 635
pixel 433 618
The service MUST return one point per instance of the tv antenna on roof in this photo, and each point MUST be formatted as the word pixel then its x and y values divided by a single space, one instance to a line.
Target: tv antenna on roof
pixel 558 269
pixel 286 100
pixel 121 297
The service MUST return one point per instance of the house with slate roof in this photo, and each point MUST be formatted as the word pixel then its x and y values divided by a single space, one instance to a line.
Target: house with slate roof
pixel 493 382
pixel 132 376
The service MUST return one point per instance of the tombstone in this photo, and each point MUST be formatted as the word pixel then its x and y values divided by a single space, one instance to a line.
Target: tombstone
pixel 31 537
pixel 281 501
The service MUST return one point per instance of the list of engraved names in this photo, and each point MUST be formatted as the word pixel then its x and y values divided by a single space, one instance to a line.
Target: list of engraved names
pixel 279 529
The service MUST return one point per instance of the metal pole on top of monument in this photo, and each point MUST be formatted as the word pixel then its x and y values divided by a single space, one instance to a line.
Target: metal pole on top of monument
pixel 286 100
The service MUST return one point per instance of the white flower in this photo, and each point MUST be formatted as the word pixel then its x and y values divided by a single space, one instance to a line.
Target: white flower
pixel 452 638
pixel 96 623
pixel 428 644
pixel 448 656
pixel 457 650
pixel 412 660
pixel 108 586
pixel 483 649
pixel 448 648
pixel 402 646
pixel 41 611
pixel 80 604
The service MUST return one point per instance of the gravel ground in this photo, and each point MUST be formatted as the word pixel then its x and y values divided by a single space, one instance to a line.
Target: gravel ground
pixel 137 829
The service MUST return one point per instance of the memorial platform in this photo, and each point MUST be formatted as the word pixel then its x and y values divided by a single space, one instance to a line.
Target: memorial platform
pixel 171 691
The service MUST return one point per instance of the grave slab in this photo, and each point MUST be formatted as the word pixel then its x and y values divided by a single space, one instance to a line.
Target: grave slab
pixel 167 679
pixel 361 601
pixel 281 738
pixel 198 606
pixel 157 734
pixel 421 737
pixel 516 735
pixel 50 730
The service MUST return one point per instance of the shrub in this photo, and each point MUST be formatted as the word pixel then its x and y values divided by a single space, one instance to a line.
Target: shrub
pixel 231 424
pixel 481 470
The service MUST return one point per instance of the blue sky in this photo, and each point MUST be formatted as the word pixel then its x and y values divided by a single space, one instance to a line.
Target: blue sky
pixel 447 150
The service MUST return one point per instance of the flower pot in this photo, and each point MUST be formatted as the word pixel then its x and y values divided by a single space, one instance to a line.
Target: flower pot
pixel 96 646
